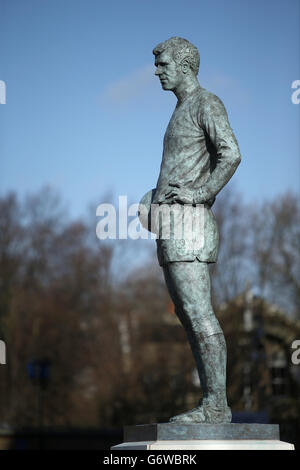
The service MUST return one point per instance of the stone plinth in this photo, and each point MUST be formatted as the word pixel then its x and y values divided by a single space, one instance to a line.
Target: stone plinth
pixel 164 436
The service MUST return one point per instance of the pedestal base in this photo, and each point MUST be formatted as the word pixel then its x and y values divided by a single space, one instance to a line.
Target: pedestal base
pixel 231 436
pixel 206 445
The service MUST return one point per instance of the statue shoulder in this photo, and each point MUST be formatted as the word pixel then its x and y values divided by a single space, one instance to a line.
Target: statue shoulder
pixel 210 99
pixel 210 105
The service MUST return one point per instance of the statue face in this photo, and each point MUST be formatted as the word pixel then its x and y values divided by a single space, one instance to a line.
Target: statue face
pixel 168 71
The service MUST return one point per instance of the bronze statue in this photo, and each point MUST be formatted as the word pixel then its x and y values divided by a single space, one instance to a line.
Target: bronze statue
pixel 200 155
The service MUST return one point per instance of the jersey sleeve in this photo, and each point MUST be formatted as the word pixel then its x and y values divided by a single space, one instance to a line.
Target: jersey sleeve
pixel 214 121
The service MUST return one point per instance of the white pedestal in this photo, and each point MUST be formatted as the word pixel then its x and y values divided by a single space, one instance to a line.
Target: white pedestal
pixel 206 445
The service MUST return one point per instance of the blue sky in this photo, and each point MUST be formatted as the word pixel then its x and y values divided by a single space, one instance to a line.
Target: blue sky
pixel 85 114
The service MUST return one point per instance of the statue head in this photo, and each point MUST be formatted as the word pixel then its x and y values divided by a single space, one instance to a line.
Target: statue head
pixel 175 59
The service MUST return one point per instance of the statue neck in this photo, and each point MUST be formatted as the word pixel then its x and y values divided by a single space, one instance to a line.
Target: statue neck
pixel 186 88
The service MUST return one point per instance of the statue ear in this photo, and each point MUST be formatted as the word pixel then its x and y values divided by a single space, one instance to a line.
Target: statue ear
pixel 185 65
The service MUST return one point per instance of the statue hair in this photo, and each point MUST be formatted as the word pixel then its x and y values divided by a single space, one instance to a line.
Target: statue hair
pixel 181 49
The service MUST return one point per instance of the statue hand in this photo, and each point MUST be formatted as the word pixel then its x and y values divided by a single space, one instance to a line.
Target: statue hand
pixel 179 194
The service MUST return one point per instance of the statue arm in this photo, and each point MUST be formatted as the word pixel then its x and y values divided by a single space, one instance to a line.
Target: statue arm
pixel 214 121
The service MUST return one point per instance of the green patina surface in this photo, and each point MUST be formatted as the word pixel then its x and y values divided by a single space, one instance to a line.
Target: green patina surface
pixel 200 155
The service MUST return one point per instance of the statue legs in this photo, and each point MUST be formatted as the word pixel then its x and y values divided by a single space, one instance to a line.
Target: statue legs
pixel 189 287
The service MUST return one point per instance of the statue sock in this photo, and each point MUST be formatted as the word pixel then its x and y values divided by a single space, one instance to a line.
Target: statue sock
pixel 210 356
pixel 213 370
